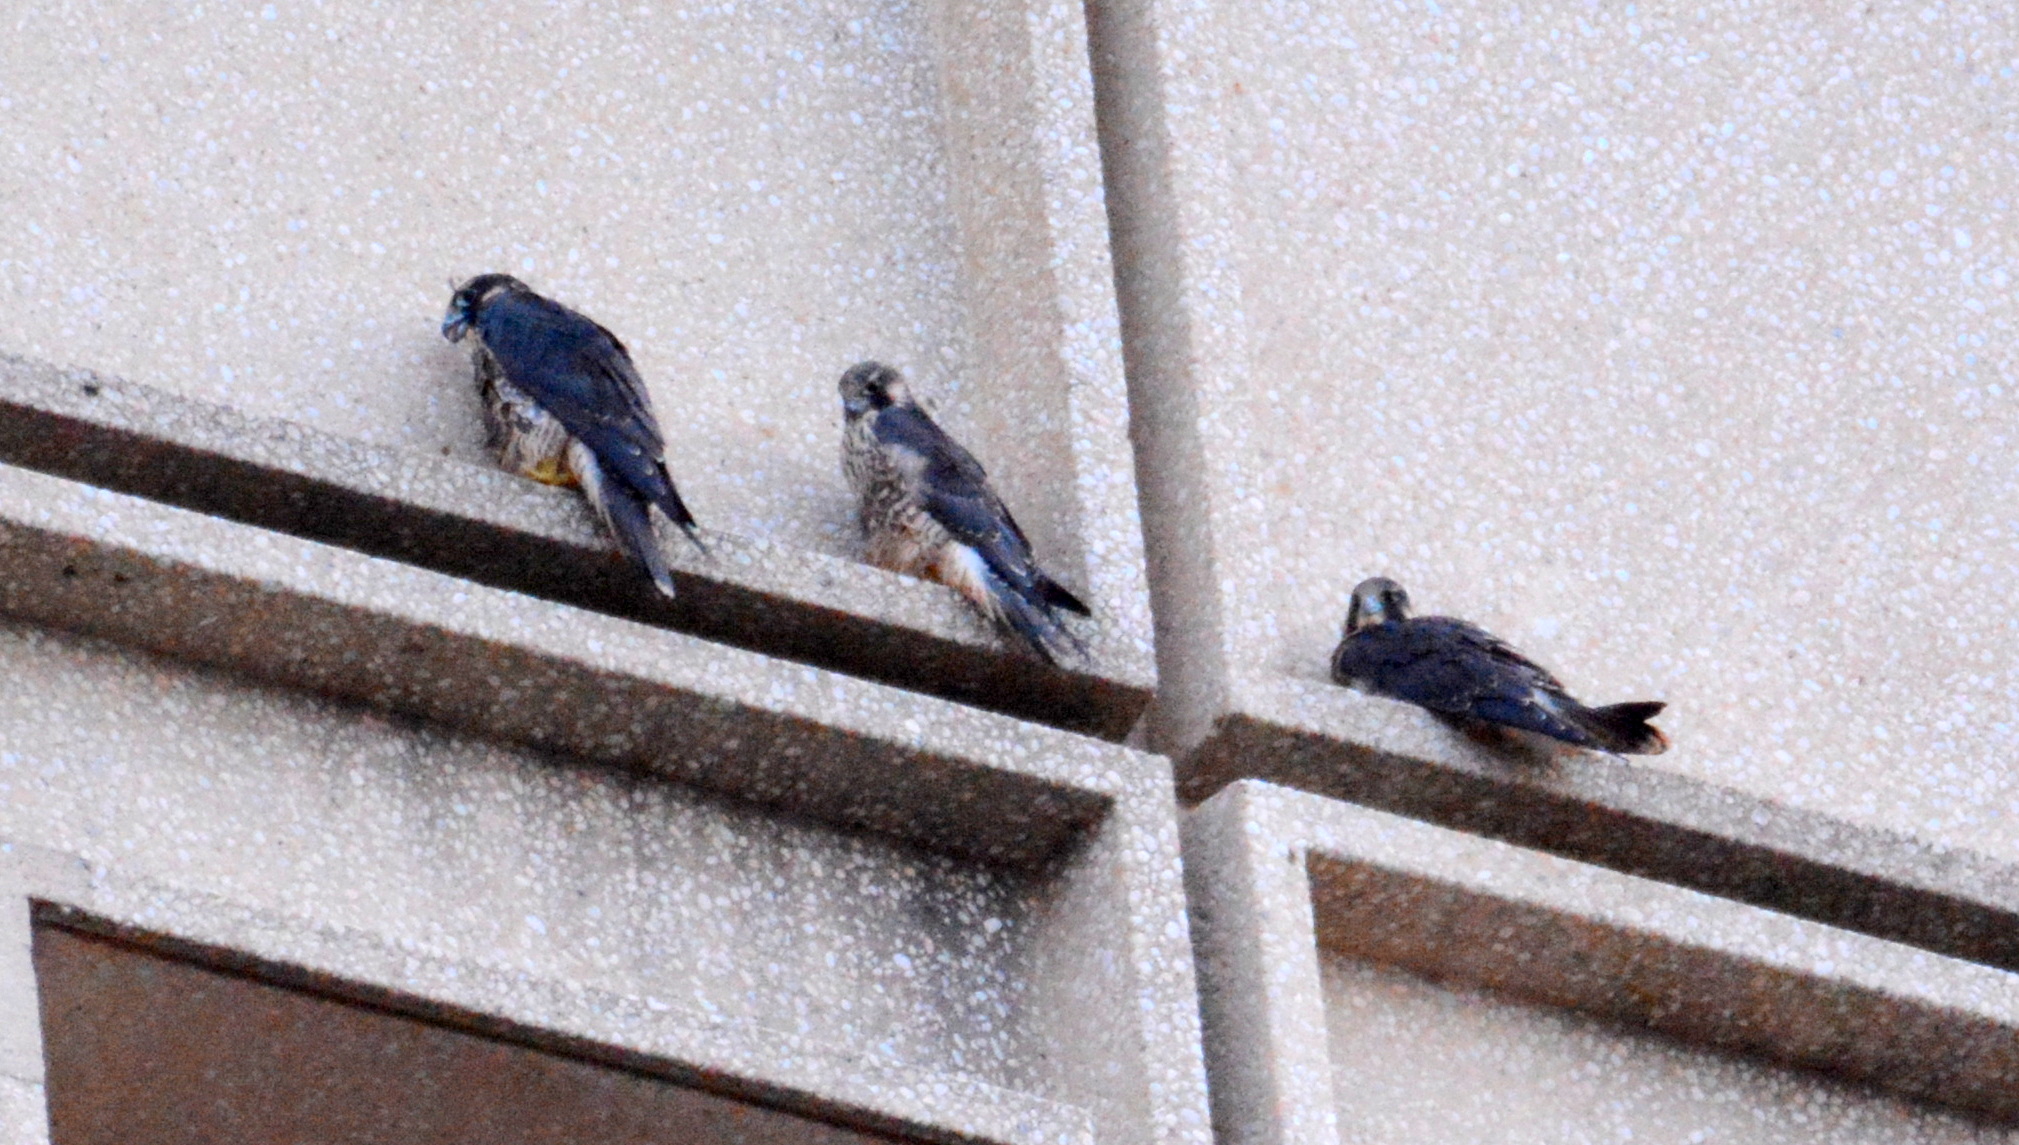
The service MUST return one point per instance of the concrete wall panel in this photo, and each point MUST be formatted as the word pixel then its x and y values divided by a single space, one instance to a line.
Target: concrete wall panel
pixel 260 209
pixel 1367 977
pixel 24 1112
pixel 577 894
pixel 24 871
pixel 1462 1065
pixel 1668 345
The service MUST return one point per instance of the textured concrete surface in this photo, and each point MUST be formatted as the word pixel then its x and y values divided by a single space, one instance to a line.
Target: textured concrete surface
pixel 416 642
pixel 25 871
pixel 20 1036
pixel 1670 344
pixel 262 208
pixel 742 1031
pixel 612 915
pixel 476 522
pixel 924 988
pixel 1604 967
pixel 24 1112
pixel 1461 1065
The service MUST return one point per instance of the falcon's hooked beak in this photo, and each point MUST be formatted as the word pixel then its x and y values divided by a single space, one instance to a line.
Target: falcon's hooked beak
pixel 456 322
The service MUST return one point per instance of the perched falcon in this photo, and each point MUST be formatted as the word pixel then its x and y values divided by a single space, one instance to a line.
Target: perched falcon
pixel 565 406
pixel 1462 671
pixel 927 510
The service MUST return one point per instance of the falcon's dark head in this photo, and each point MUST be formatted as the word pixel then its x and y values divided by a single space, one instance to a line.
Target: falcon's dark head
pixel 872 386
pixel 471 298
pixel 1376 600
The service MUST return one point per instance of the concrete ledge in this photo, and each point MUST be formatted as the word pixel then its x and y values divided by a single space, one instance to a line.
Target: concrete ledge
pixel 486 526
pixel 1079 836
pixel 260 854
pixel 510 667
pixel 933 197
pixel 1634 817
pixel 1277 875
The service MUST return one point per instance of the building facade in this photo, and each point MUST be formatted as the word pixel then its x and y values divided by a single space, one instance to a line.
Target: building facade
pixel 354 790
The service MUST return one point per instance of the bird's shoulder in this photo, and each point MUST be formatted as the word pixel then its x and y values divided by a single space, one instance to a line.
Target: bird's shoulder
pixel 1437 660
pixel 910 431
pixel 953 485
pixel 572 365
pixel 523 322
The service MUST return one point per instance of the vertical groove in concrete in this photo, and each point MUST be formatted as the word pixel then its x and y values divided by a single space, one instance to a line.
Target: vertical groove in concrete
pixel 1162 353
pixel 1264 1033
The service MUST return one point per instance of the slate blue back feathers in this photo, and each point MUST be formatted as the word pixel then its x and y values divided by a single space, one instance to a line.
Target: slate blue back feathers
pixel 958 496
pixel 1464 672
pixel 581 375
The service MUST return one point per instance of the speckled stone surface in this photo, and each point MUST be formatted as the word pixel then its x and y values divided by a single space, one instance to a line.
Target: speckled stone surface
pixel 24 1117
pixel 1671 344
pixel 261 207
pixel 1019 891
pixel 20 1036
pixel 612 914
pixel 1372 978
pixel 418 643
pixel 1535 1077
pixel 24 870
pixel 477 522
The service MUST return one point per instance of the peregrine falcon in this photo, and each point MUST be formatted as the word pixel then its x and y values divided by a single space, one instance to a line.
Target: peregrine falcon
pixel 927 510
pixel 565 406
pixel 1461 671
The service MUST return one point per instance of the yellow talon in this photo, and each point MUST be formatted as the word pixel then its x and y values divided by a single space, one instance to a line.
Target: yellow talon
pixel 552 471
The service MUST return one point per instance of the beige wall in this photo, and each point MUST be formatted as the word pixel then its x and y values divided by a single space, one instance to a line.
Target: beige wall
pixel 263 210
pixel 262 207
pixel 1414 1061
pixel 1368 978
pixel 1671 344
pixel 463 850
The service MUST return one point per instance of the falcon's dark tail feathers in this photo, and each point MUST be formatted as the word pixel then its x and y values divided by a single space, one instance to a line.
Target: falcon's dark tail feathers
pixel 676 511
pixel 1033 620
pixel 1056 596
pixel 628 516
pixel 1624 727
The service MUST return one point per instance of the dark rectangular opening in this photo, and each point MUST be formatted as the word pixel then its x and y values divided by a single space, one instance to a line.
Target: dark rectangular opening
pixel 145 1046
